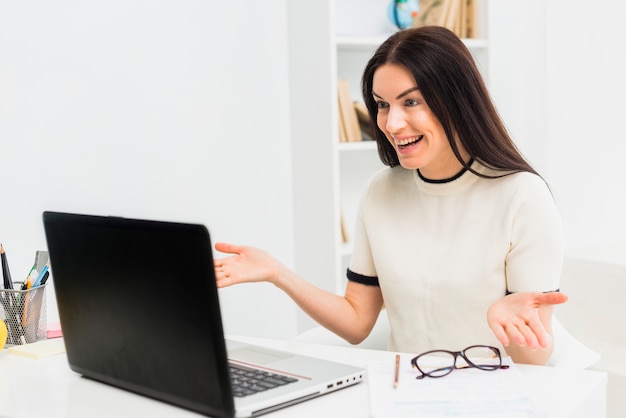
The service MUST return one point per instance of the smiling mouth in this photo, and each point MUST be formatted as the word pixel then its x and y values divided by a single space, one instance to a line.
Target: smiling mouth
pixel 405 143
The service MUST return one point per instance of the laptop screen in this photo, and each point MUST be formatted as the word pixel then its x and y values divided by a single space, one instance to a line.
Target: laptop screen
pixel 139 307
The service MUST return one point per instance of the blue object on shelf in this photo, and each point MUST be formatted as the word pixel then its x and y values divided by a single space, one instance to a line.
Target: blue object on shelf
pixel 402 13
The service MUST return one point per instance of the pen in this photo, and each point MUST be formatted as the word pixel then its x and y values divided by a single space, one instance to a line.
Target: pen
pixel 6 274
pixel 397 374
pixel 10 299
pixel 28 284
pixel 25 283
pixel 40 276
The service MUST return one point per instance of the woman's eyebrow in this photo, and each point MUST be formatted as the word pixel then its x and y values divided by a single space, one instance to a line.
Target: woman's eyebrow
pixel 401 95
pixel 404 93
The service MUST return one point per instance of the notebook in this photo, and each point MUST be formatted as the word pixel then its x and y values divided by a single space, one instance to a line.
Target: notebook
pixel 139 309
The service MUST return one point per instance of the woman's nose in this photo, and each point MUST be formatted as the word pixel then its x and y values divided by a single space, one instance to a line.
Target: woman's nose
pixel 395 119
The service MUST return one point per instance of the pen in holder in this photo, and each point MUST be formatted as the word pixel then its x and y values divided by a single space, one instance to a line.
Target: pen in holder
pixel 24 312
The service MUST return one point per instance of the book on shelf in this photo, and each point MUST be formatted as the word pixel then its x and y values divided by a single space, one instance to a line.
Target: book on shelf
pixel 344 230
pixel 365 123
pixel 470 19
pixel 342 127
pixel 457 15
pixel 347 114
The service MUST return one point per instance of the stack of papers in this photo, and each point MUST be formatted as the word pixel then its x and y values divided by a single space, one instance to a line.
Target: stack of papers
pixel 465 392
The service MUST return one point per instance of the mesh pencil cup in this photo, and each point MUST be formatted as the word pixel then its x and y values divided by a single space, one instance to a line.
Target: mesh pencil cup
pixel 24 312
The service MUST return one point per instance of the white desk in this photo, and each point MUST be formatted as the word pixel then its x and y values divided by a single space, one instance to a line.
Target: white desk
pixel 48 388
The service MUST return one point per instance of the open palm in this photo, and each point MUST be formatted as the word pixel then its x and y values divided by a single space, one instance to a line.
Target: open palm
pixel 517 317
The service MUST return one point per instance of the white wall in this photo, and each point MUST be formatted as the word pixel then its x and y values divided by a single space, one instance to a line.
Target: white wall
pixel 164 109
pixel 565 62
pixel 313 138
pixel 557 75
pixel 586 79
pixel 516 76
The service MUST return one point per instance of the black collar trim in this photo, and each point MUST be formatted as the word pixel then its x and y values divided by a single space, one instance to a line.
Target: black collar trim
pixel 448 180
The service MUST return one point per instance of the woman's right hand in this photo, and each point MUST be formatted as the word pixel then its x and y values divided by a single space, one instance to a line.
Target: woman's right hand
pixel 246 264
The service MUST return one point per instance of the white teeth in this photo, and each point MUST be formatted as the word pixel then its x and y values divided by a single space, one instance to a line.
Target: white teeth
pixel 406 141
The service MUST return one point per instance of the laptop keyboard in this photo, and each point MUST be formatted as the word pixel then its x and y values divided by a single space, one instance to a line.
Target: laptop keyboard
pixel 247 381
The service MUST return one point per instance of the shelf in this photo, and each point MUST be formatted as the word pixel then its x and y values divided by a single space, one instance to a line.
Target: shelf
pixel 357 146
pixel 360 42
pixel 475 44
pixel 369 43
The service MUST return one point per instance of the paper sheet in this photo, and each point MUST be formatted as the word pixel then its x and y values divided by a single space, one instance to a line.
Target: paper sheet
pixel 465 392
pixel 40 349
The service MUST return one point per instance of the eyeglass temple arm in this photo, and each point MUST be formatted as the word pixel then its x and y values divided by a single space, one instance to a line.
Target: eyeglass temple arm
pixel 502 366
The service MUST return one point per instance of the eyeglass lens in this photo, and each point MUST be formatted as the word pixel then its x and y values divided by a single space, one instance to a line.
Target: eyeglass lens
pixel 440 363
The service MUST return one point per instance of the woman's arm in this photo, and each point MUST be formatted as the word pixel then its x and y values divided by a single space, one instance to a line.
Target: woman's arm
pixel 351 316
pixel 522 320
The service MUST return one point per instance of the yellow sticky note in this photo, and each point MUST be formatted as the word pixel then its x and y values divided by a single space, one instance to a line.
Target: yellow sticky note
pixel 40 349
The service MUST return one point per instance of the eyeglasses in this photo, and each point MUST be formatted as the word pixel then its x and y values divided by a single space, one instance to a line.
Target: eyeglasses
pixel 438 363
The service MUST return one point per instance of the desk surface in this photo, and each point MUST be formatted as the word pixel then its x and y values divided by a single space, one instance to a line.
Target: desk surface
pixel 48 388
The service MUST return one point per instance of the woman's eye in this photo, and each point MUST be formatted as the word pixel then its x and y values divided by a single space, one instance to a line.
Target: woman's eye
pixel 382 105
pixel 411 102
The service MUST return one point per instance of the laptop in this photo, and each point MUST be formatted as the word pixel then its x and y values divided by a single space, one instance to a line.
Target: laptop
pixel 139 309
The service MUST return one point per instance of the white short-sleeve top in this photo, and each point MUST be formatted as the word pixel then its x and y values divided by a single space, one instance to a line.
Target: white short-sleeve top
pixel 442 253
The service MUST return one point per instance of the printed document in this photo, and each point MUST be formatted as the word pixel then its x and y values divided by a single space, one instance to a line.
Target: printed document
pixel 473 393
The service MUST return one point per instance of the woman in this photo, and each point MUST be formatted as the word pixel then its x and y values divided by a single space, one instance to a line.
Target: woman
pixel 459 239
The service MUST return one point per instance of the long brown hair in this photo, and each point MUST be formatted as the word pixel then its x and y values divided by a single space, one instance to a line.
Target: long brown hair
pixel 455 92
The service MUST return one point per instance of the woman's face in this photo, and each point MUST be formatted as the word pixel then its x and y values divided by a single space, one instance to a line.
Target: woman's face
pixel 410 126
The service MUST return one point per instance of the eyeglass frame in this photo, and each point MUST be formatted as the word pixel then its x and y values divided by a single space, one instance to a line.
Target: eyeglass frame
pixel 456 354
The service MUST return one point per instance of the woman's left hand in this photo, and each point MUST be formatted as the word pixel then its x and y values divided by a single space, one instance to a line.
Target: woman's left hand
pixel 516 317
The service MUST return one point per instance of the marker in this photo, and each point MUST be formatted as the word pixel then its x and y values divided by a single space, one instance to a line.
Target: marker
pixel 45 278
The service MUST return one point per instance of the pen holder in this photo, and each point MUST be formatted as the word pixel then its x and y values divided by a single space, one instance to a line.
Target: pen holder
pixel 24 312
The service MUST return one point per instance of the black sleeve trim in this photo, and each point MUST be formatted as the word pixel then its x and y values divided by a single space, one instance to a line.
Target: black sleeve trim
pixel 359 278
pixel 508 292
